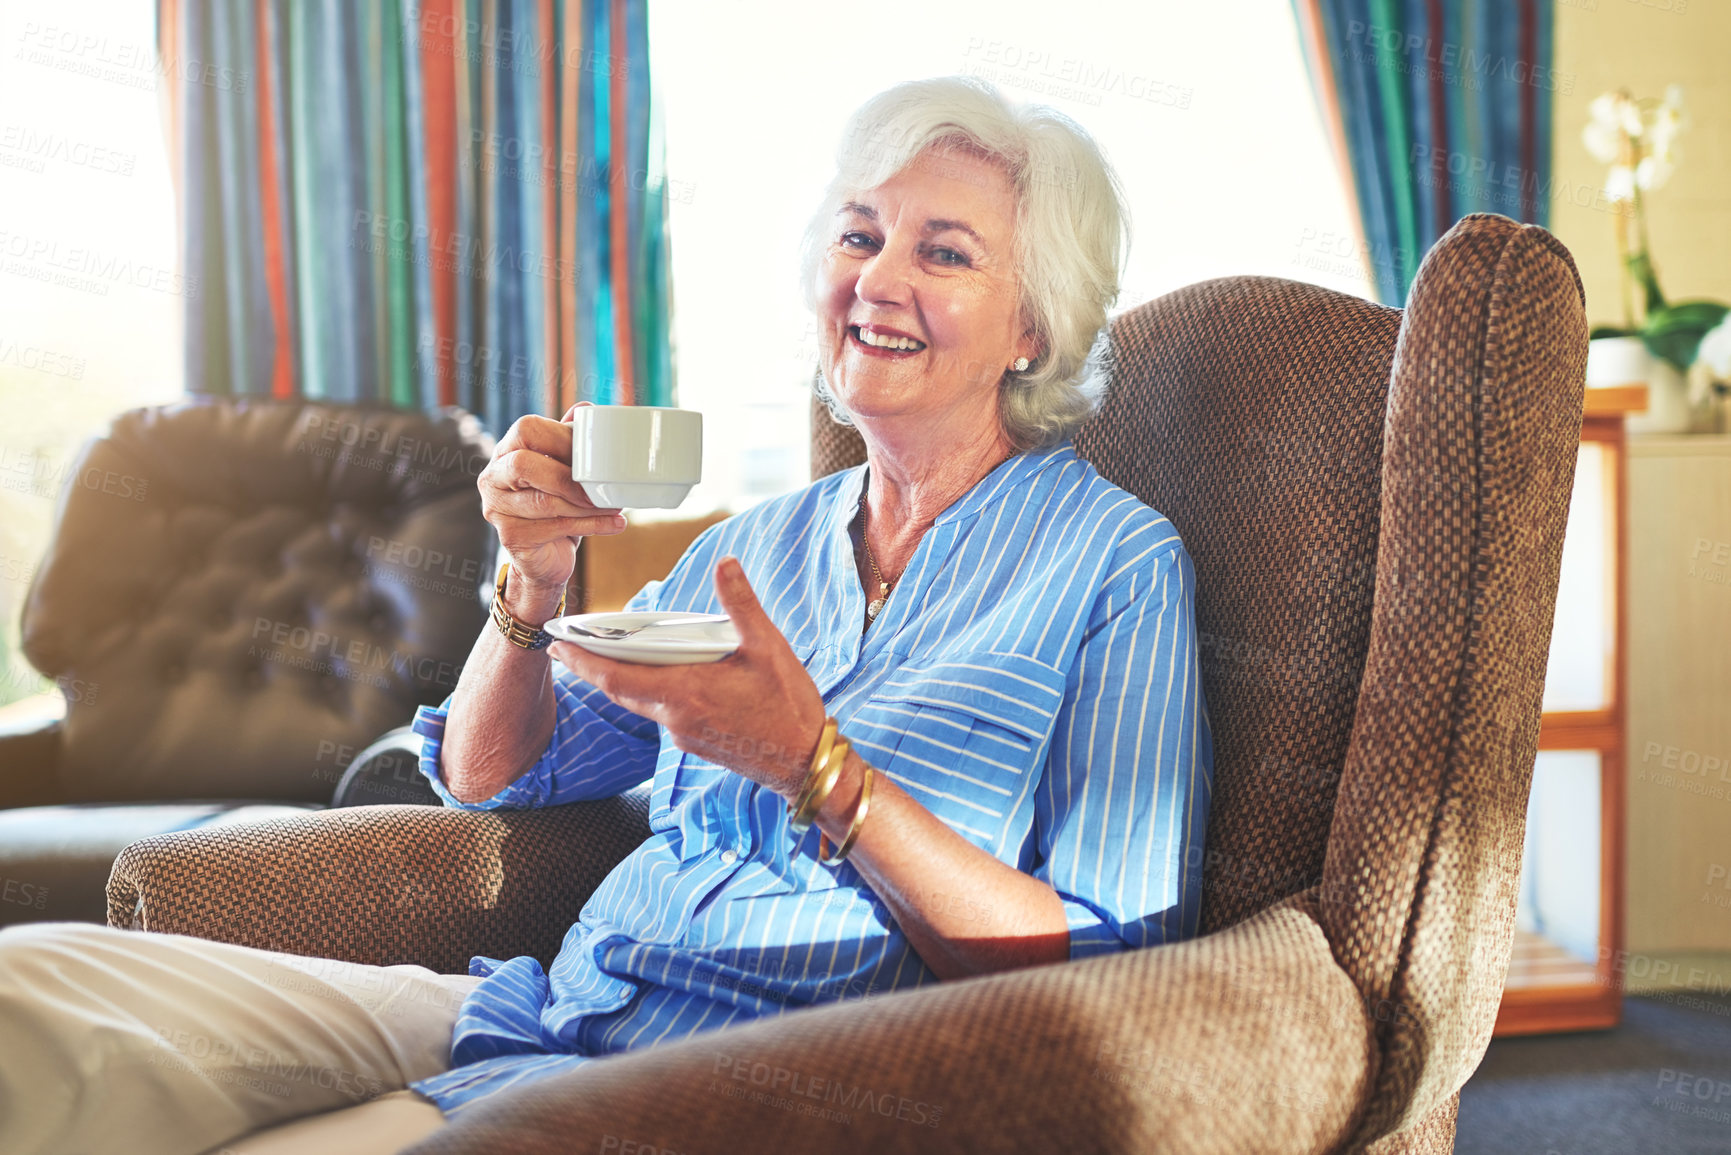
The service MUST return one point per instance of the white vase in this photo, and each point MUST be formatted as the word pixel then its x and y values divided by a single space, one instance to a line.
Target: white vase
pixel 1613 361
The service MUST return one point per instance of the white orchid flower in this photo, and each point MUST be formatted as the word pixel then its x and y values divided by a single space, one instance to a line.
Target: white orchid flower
pixel 1604 141
pixel 1715 350
pixel 1652 172
pixel 1620 183
pixel 1603 110
pixel 1669 121
pixel 1606 126
pixel 1663 140
pixel 1637 140
pixel 1698 382
pixel 1674 100
pixel 1629 113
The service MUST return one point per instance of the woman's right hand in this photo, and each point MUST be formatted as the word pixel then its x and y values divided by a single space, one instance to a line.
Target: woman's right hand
pixel 539 512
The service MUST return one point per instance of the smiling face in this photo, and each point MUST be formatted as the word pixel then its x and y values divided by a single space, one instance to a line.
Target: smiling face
pixel 917 299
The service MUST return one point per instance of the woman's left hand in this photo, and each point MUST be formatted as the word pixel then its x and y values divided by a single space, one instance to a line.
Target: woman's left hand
pixel 756 711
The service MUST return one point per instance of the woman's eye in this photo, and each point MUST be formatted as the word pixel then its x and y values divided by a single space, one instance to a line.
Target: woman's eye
pixel 949 257
pixel 857 240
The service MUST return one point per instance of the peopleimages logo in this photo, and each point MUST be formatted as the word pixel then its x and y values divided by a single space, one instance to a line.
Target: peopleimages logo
pixel 385 443
pixel 42 147
pixel 1034 68
pixel 22 893
pixel 796 1091
pixel 402 239
pixel 40 360
pixel 1452 63
pixel 355 659
pixel 86 269
pixel 518 49
pixel 254 1067
pixel 39 476
pixel 131 64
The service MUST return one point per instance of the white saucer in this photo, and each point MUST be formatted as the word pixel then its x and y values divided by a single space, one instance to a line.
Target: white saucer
pixel 671 645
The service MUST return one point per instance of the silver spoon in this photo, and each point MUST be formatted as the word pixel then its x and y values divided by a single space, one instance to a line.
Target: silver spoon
pixel 616 633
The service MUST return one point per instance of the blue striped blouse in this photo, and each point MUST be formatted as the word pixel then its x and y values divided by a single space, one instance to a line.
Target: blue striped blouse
pixel 1032 680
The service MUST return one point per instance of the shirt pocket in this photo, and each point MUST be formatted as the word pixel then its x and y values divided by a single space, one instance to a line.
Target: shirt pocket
pixel 966 736
pixel 688 784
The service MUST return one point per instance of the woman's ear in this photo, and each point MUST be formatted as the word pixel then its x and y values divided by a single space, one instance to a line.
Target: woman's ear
pixel 1030 346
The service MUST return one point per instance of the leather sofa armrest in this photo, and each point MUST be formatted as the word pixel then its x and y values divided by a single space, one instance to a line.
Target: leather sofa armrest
pixel 382 884
pixel 387 773
pixel 30 762
pixel 1251 1039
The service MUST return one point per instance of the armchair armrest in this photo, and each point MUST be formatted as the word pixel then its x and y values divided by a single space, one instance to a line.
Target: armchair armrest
pixel 1252 1039
pixel 382 884
pixel 387 772
pixel 29 761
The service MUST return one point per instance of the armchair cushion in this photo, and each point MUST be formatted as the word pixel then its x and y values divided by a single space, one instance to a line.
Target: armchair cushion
pixel 1133 1052
pixel 382 884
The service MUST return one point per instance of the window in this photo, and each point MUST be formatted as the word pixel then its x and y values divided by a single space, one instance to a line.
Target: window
pixel 1205 110
pixel 90 313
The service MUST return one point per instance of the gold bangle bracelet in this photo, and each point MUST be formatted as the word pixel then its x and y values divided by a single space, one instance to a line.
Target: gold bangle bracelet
pixel 802 819
pixel 516 630
pixel 859 816
pixel 820 755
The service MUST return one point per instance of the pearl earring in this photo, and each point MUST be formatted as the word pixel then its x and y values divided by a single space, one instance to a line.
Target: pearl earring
pixel 1021 365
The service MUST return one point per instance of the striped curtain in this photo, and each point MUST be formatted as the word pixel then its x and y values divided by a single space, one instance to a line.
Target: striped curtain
pixel 421 202
pixel 1436 109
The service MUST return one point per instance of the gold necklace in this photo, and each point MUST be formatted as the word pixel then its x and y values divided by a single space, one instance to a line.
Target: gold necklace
pixel 876 605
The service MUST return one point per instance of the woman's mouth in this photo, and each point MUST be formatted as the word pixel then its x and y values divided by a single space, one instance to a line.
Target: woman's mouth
pixel 876 344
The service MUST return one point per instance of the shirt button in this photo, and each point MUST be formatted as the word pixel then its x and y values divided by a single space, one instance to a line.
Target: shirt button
pixel 730 856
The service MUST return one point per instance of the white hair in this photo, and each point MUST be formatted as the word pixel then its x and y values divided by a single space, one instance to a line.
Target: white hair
pixel 1071 232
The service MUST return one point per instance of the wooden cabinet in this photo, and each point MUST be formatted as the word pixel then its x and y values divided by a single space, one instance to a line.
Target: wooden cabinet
pixel 1569 923
pixel 1679 741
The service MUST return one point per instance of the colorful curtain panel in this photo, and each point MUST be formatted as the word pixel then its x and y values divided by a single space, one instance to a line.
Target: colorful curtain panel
pixel 1437 109
pixel 421 202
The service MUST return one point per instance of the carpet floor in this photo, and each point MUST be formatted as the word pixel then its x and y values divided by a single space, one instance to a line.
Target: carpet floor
pixel 1659 1084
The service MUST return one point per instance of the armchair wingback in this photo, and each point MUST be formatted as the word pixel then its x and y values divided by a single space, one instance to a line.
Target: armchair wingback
pixel 1375 502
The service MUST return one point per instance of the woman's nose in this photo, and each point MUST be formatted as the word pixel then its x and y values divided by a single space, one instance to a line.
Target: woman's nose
pixel 885 277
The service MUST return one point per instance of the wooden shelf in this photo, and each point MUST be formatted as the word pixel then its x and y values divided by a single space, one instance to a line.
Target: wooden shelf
pixel 1547 988
pixel 1616 400
pixel 1539 962
pixel 1552 1010
pixel 1550 990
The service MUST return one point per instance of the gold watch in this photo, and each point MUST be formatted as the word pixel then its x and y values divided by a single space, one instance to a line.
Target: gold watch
pixel 516 631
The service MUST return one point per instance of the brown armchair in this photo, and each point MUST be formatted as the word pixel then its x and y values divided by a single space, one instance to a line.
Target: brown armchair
pixel 240 593
pixel 1374 500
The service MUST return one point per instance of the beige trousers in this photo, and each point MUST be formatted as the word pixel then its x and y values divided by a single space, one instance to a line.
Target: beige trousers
pixel 159 1044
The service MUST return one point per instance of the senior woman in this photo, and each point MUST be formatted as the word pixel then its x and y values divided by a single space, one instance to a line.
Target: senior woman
pixel 1003 640
pixel 964 729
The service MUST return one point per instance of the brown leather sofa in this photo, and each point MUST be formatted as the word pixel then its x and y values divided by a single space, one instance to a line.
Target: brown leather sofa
pixel 240 595
pixel 1375 501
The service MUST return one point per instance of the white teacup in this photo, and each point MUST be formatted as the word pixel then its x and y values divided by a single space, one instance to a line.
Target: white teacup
pixel 636 456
